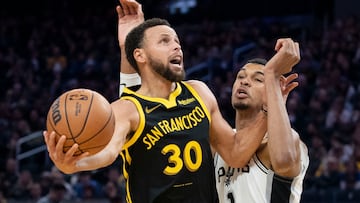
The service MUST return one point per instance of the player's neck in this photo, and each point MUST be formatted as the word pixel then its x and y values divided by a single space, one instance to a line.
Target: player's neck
pixel 157 88
pixel 244 117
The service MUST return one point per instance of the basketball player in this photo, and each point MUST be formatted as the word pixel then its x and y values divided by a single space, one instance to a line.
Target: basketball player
pixel 133 80
pixel 276 171
pixel 168 130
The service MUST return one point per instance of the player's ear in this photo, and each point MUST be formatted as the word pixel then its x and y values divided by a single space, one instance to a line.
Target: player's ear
pixel 139 55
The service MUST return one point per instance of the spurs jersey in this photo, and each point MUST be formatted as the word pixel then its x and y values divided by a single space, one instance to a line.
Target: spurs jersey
pixel 168 158
pixel 258 184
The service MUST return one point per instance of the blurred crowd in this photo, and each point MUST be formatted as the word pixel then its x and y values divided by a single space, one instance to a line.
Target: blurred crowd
pixel 42 56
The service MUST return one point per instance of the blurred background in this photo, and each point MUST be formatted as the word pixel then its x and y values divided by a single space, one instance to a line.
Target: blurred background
pixel 48 47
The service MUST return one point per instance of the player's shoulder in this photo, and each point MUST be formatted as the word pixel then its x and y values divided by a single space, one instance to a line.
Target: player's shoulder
pixel 200 87
pixel 123 105
pixel 203 91
pixel 196 84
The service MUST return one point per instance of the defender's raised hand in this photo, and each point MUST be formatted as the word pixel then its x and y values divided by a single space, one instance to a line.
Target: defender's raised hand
pixel 287 56
pixel 288 84
pixel 130 15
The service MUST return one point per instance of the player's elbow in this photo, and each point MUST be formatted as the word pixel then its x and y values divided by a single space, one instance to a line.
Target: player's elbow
pixel 287 165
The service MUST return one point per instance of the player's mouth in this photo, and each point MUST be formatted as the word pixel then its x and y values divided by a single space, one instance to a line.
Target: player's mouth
pixel 176 62
pixel 242 93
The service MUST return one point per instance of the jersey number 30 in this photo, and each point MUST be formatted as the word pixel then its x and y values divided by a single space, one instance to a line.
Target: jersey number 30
pixel 176 163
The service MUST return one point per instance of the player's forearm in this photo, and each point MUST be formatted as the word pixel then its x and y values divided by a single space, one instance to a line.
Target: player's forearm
pixel 96 161
pixel 247 141
pixel 282 144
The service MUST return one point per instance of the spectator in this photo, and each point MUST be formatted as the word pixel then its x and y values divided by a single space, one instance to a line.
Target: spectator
pixel 56 194
pixel 35 192
pixel 21 189
pixel 86 187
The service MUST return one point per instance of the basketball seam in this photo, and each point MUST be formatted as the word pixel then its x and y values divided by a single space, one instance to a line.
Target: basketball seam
pixel 68 124
pixel 87 116
pixel 86 119
pixel 106 123
pixel 67 120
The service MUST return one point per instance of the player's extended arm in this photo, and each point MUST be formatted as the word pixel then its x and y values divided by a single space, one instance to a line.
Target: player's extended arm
pixel 69 163
pixel 283 142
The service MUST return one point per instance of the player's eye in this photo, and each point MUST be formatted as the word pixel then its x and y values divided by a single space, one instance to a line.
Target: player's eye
pixel 164 40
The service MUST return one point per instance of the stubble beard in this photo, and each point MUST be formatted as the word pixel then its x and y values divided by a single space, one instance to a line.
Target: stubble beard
pixel 166 72
pixel 240 106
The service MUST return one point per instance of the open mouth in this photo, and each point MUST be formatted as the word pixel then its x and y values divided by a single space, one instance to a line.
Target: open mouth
pixel 242 93
pixel 176 61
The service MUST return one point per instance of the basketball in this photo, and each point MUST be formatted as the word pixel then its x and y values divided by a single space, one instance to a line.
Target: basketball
pixel 85 117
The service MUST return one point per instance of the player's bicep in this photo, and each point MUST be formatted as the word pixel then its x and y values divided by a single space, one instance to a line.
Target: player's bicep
pixel 221 133
pixel 123 112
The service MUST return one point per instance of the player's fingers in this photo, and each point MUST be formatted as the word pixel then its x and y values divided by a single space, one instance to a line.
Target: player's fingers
pixel 139 10
pixel 297 50
pixel 59 147
pixel 120 11
pixel 288 83
pixel 291 78
pixel 290 87
pixel 284 43
pixel 70 153
pixel 133 7
pixel 125 7
pixel 46 136
pixel 294 51
pixel 287 89
pixel 280 43
pixel 51 142
pixel 49 147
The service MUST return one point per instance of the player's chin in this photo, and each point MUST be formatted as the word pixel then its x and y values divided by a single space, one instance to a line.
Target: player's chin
pixel 176 67
pixel 177 76
pixel 239 105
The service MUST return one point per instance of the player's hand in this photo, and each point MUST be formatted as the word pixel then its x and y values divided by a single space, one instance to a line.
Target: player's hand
pixel 130 15
pixel 287 84
pixel 287 56
pixel 65 162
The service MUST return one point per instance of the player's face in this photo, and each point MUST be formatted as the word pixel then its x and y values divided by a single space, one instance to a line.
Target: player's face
pixel 248 89
pixel 164 52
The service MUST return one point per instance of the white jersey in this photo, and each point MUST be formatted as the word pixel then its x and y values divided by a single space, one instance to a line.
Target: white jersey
pixel 256 183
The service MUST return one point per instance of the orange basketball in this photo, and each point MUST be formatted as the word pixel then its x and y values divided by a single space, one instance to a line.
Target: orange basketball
pixel 85 117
